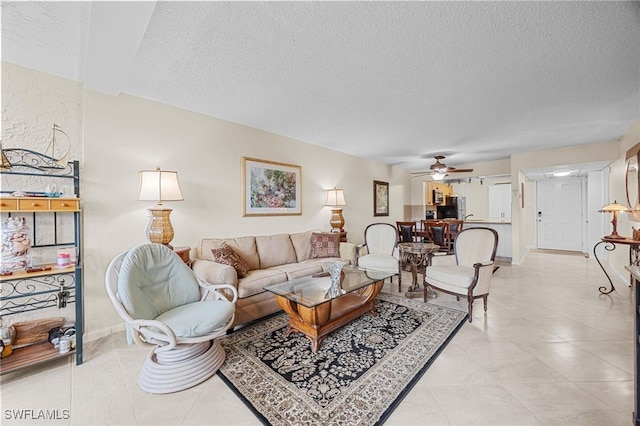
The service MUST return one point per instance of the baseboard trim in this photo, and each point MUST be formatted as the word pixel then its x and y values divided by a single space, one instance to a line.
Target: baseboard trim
pixel 98 334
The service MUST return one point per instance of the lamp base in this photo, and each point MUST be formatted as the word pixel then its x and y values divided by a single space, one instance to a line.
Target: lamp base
pixel 615 236
pixel 337 221
pixel 160 230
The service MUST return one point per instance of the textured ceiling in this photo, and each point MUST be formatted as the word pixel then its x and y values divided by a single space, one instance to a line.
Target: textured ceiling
pixel 396 82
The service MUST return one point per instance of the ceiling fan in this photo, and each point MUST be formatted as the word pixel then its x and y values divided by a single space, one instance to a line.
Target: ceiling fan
pixel 439 170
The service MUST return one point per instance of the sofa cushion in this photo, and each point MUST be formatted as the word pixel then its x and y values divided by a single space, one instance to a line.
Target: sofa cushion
pixel 226 255
pixel 452 278
pixel 379 262
pixel 257 280
pixel 302 244
pixel 198 318
pixel 151 282
pixel 275 250
pixel 244 246
pixel 325 244
pixel 301 269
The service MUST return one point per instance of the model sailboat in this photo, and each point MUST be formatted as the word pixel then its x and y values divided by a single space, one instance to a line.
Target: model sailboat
pixel 5 166
pixel 56 160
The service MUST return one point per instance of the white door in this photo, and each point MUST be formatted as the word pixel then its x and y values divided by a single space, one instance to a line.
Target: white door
pixel 559 214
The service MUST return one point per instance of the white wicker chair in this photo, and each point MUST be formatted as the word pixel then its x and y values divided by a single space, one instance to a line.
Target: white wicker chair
pixel 166 306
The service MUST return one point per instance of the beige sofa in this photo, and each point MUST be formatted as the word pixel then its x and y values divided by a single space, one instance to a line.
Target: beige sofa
pixel 272 259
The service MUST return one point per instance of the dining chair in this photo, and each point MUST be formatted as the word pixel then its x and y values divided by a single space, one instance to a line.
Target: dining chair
pixel 406 232
pixel 455 226
pixel 438 233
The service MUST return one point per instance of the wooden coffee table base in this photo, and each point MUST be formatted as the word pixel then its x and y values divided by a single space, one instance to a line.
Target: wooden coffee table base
pixel 317 322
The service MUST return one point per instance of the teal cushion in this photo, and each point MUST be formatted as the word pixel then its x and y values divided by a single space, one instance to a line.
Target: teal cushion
pixel 199 318
pixel 154 280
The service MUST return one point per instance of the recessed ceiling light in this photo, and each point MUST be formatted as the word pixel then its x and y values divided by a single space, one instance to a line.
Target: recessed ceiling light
pixel 561 174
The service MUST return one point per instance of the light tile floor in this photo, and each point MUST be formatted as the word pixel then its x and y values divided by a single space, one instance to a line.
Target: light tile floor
pixel 550 350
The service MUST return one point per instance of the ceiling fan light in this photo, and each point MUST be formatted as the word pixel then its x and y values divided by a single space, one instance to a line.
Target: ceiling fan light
pixel 438 176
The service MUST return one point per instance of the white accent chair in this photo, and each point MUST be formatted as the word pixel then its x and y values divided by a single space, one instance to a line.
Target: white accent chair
pixel 163 304
pixel 379 251
pixel 468 271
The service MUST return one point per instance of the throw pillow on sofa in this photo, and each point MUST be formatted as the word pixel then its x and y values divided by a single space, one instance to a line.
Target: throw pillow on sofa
pixel 325 244
pixel 227 256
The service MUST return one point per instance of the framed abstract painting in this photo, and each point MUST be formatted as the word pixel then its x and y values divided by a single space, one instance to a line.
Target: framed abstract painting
pixel 271 188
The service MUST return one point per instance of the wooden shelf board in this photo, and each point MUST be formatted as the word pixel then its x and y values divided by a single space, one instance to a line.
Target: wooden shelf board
pixel 30 355
pixel 21 273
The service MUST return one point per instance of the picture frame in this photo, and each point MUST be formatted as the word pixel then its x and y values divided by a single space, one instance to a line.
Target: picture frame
pixel 380 198
pixel 271 188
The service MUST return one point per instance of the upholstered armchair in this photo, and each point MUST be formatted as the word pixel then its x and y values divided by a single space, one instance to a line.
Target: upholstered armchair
pixel 379 251
pixel 468 271
pixel 164 305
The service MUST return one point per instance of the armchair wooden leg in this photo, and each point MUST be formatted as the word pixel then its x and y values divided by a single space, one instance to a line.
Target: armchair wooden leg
pixel 470 300
pixel 484 298
pixel 400 280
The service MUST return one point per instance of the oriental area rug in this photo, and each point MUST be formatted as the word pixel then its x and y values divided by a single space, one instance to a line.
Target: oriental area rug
pixel 358 376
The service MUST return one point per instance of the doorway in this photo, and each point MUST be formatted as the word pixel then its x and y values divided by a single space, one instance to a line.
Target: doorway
pixel 559 214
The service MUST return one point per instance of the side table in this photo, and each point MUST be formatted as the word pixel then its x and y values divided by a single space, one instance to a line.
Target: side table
pixel 610 245
pixel 185 254
pixel 416 255
pixel 343 236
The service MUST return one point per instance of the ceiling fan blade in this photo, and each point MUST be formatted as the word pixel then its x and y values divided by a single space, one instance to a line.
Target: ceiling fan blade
pixel 419 174
pixel 452 170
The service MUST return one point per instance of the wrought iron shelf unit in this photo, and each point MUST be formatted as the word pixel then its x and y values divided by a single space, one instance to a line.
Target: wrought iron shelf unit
pixel 29 290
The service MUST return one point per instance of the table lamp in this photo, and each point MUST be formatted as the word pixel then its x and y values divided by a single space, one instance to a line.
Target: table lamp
pixel 614 208
pixel 159 185
pixel 335 199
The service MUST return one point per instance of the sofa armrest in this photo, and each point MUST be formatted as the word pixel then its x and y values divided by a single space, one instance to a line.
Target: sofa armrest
pixel 214 272
pixel 348 252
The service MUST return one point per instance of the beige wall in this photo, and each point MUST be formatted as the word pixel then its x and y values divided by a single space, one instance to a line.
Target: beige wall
pixel 120 135
pixel 116 136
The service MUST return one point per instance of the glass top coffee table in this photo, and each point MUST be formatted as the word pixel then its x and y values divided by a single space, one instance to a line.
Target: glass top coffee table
pixel 315 311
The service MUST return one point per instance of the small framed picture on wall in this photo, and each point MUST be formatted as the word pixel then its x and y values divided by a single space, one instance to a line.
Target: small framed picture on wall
pixel 380 198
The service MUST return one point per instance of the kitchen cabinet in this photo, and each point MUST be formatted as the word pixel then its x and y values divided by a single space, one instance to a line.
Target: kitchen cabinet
pixel 445 189
pixel 500 202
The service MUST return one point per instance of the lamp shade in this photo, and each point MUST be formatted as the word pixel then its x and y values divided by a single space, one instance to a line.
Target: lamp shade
pixel 159 185
pixel 613 207
pixel 335 198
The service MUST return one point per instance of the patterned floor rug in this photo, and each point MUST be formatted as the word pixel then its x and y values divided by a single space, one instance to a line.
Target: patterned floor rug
pixel 358 376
